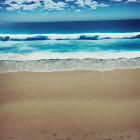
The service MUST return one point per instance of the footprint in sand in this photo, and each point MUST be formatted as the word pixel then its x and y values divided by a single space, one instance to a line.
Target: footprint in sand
pixel 72 134
pixel 122 131
pixel 128 136
pixel 121 137
pixel 54 134
pixel 42 131
pixel 93 132
pixel 85 135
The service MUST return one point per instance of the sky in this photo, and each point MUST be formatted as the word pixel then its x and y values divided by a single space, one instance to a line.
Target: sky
pixel 68 10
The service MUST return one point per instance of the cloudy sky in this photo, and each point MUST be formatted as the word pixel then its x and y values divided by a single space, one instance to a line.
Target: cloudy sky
pixel 68 10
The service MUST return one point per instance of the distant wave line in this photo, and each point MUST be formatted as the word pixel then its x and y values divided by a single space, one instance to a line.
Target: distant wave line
pixel 83 36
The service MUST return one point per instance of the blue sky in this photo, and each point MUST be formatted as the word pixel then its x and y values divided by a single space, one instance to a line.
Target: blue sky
pixel 68 10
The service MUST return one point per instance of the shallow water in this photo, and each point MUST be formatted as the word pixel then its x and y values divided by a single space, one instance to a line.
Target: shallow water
pixel 58 55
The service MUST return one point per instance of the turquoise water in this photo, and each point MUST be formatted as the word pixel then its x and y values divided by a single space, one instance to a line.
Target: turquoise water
pixel 65 55
pixel 64 46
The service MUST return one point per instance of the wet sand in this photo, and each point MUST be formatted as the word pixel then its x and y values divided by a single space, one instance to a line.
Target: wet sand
pixel 76 105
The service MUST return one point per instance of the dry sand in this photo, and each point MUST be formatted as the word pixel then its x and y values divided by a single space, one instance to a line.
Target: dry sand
pixel 77 105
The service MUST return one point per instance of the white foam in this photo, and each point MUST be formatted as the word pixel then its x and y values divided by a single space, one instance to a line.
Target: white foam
pixel 69 64
pixel 70 55
pixel 71 36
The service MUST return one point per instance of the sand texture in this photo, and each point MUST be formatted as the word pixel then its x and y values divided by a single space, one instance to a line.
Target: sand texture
pixel 75 105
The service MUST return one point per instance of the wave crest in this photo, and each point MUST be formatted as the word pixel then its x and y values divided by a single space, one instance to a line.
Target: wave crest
pixel 84 36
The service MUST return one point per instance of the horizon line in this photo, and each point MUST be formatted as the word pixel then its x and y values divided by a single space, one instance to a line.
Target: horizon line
pixel 67 21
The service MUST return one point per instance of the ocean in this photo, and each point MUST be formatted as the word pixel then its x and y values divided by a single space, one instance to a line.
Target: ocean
pixel 66 46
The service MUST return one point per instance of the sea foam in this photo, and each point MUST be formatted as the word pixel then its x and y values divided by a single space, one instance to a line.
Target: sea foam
pixel 68 65
pixel 69 55
pixel 47 61
pixel 14 58
pixel 82 36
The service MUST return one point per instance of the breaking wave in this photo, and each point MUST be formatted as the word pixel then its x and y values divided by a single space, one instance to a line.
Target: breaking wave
pixel 48 62
pixel 84 36
pixel 69 55
pixel 68 65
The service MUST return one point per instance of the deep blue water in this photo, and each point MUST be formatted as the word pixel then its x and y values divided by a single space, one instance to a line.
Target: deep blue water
pixel 117 26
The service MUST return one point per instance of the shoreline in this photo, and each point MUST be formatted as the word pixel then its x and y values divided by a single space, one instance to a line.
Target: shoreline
pixel 70 105
pixel 68 71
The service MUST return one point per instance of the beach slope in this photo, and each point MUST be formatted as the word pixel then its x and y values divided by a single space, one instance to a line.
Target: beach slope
pixel 74 105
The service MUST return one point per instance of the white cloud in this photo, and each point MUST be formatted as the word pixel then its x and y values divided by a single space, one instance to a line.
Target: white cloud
pixel 20 4
pixel 48 5
pixel 10 8
pixel 102 5
pixel 69 0
pixel 32 6
pixel 51 5
pixel 90 3
pixel 14 7
pixel 77 10
pixel 117 0
pixel 81 3
pixel 132 1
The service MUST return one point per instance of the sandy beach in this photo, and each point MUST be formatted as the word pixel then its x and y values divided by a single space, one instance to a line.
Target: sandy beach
pixel 74 105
